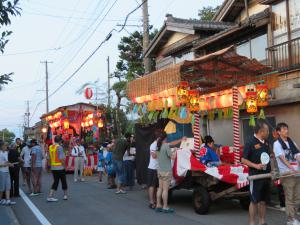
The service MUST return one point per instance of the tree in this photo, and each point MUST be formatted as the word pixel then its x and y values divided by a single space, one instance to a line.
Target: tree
pixel 7 136
pixel 207 13
pixel 129 67
pixel 8 8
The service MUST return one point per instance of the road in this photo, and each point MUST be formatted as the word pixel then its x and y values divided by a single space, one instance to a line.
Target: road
pixel 90 203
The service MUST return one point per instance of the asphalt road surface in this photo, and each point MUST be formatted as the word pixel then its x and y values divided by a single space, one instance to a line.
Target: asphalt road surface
pixel 90 203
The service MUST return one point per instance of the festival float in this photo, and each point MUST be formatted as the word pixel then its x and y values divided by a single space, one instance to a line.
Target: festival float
pixel 81 120
pixel 217 86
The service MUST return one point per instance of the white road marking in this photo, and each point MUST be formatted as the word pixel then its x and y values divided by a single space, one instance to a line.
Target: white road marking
pixel 43 220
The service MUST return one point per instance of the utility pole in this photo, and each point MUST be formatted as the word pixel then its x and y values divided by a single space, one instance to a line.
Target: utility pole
pixel 147 61
pixel 27 115
pixel 47 87
pixel 108 84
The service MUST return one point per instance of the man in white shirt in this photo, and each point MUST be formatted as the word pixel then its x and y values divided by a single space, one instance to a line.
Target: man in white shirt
pixel 152 180
pixel 5 183
pixel 78 152
pixel 26 156
pixel 288 158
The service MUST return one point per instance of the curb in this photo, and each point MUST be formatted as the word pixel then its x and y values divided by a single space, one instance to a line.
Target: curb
pixel 12 216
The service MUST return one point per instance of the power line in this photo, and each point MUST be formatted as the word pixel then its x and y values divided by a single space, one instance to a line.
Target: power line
pixel 32 51
pixel 90 56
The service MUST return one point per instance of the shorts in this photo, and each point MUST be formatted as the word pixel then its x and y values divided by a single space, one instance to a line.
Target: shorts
pixel 4 181
pixel 260 190
pixel 119 169
pixel 152 180
pixel 165 176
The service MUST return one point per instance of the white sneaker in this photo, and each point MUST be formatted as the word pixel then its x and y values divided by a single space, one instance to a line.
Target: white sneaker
pixel 294 222
pixel 51 199
pixel 82 179
pixel 75 180
pixel 122 191
pixel 3 202
pixel 33 194
pixel 297 222
pixel 9 202
pixel 65 197
pixel 118 192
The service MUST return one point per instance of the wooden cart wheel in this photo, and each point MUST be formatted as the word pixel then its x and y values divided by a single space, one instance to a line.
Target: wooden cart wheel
pixel 201 200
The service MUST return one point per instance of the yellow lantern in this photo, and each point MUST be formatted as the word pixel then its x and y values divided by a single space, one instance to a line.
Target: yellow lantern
pixel 100 124
pixel 251 101
pixel 182 92
pixel 66 124
pixel 194 100
pixel 262 95
pixel 86 124
pixel 91 122
pixel 82 124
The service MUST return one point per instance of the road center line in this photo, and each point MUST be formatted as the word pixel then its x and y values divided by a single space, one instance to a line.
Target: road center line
pixel 43 220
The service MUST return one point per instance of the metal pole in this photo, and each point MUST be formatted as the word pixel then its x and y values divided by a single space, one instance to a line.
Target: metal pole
pixel 108 84
pixel 147 61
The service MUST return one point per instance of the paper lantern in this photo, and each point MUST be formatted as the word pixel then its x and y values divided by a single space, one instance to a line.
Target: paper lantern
pixel 194 100
pixel 251 101
pixel 82 124
pixel 66 124
pixel 91 122
pixel 88 93
pixel 182 92
pixel 262 95
pixel 100 124
pixel 86 124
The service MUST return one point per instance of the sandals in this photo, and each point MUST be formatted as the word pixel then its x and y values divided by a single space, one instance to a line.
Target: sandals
pixel 152 205
pixel 158 209
pixel 168 210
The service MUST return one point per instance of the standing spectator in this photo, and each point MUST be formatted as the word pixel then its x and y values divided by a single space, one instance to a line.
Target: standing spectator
pixel 78 152
pixel 57 162
pixel 254 151
pixel 26 164
pixel 36 166
pixel 4 175
pixel 128 160
pixel 109 168
pixel 164 157
pixel 119 149
pixel 152 180
pixel 287 154
pixel 20 146
pixel 14 158
pixel 101 162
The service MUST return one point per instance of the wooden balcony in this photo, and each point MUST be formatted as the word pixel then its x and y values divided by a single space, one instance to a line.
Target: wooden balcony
pixel 285 56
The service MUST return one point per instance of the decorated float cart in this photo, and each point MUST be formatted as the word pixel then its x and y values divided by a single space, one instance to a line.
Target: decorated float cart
pixel 83 121
pixel 216 86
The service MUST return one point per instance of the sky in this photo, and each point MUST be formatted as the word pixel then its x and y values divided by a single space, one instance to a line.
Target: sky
pixel 65 33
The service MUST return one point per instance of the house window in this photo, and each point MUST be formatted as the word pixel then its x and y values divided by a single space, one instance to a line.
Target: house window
pixel 184 56
pixel 279 23
pixel 254 48
pixel 258 46
pixel 294 11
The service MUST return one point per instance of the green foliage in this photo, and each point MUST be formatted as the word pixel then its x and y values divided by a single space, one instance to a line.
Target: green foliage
pixel 8 8
pixel 7 136
pixel 207 13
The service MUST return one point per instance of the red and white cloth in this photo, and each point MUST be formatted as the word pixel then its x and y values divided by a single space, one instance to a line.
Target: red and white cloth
pixel 92 162
pixel 233 174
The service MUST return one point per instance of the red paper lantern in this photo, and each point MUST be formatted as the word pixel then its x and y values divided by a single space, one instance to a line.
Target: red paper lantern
pixel 88 93
pixel 262 94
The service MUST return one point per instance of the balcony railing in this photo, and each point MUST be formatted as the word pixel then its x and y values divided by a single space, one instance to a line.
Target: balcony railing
pixel 284 56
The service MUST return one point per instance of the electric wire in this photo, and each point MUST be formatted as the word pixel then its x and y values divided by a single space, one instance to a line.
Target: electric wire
pixel 89 57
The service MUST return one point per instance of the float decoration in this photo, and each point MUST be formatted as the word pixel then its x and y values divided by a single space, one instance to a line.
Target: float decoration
pixel 88 93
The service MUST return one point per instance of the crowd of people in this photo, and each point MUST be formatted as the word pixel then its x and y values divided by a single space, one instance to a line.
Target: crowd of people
pixel 116 161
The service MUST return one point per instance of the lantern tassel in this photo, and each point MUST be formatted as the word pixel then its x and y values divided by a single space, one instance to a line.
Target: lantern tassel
pixel 193 119
pixel 150 116
pixel 135 108
pixel 252 121
pixel 220 114
pixel 262 114
pixel 165 114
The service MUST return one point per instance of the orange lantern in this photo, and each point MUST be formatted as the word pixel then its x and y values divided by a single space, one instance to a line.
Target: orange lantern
pixel 86 124
pixel 91 122
pixel 262 95
pixel 251 101
pixel 82 124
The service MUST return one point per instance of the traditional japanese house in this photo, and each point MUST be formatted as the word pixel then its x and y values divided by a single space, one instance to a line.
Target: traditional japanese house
pixel 268 31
